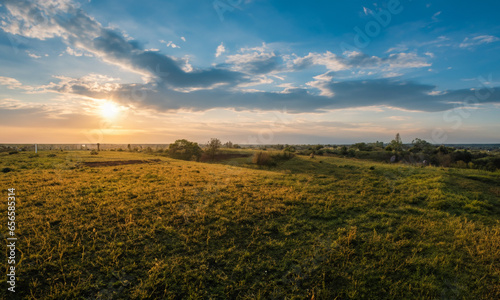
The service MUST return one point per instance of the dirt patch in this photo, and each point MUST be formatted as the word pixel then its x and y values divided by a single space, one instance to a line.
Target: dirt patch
pixel 223 156
pixel 118 162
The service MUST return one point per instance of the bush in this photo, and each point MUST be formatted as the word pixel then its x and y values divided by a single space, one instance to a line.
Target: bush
pixel 7 170
pixel 13 152
pixel 94 152
pixel 184 149
pixel 263 159
pixel 51 155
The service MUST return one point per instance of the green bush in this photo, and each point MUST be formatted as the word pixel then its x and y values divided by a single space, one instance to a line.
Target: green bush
pixel 263 159
pixel 185 150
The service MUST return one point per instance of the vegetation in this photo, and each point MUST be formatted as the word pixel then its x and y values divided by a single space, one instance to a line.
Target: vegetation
pixel 324 228
pixel 184 149
pixel 213 147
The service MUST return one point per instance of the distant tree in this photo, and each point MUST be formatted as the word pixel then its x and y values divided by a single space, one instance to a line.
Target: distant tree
pixel 98 147
pixel 362 147
pixel 420 145
pixel 229 144
pixel 343 150
pixel 213 147
pixel 396 144
pixel 184 149
pixel 442 150
pixel 129 148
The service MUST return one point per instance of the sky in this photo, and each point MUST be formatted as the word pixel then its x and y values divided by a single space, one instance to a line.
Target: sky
pixel 249 71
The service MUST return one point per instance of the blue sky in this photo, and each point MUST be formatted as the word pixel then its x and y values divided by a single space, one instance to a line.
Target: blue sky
pixel 249 71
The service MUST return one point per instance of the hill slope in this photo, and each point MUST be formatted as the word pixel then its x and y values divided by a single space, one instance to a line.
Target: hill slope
pixel 322 228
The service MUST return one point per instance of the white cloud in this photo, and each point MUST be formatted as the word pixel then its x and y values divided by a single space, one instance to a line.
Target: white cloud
pixel 322 83
pixel 169 44
pixel 10 83
pixel 329 60
pixel 434 17
pixel 71 51
pixel 183 38
pixel 398 48
pixel 220 49
pixel 357 60
pixel 257 60
pixel 32 55
pixel 478 40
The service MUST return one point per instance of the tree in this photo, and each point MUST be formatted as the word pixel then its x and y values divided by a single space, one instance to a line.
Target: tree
pixel 213 147
pixel 396 144
pixel 420 145
pixel 184 149
pixel 229 144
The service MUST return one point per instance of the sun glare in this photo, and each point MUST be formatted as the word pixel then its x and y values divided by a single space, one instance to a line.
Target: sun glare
pixel 109 110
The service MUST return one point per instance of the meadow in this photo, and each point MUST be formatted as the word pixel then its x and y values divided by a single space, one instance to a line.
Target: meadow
pixel 307 228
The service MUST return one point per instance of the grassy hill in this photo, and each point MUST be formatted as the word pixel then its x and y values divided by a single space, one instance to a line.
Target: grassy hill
pixel 322 228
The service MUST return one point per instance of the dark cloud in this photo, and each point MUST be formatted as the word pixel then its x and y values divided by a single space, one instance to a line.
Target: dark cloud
pixel 359 93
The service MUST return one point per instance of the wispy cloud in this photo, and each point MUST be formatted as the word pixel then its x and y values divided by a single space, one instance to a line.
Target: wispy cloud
pixel 10 83
pixel 478 40
pixel 169 44
pixel 356 59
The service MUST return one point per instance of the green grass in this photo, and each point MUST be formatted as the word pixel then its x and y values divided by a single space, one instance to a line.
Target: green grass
pixel 322 228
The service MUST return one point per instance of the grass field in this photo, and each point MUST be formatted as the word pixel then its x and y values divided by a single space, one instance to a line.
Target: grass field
pixel 322 228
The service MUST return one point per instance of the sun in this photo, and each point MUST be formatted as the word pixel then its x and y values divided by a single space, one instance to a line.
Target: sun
pixel 109 110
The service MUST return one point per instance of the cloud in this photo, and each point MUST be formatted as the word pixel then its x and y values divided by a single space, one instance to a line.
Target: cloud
pixel 398 48
pixel 434 16
pixel 354 59
pixel 478 40
pixel 254 62
pixel 169 44
pixel 183 38
pixel 71 51
pixel 405 95
pixel 172 84
pixel 81 31
pixel 33 55
pixel 10 83
pixel 220 49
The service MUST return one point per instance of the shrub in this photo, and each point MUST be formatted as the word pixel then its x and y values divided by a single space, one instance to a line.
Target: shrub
pixel 13 152
pixel 51 155
pixel 263 159
pixel 184 149
pixel 7 170
pixel 94 152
